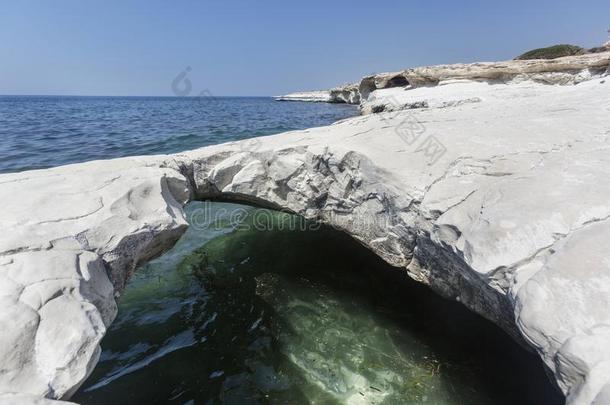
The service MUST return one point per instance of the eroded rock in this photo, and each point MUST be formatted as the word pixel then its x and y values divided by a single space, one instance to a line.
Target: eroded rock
pixel 568 70
pixel 501 204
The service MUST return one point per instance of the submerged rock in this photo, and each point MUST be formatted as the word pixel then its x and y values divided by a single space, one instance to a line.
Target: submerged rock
pixel 500 203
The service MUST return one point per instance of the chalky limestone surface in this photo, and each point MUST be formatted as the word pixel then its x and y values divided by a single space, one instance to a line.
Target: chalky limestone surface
pixel 495 195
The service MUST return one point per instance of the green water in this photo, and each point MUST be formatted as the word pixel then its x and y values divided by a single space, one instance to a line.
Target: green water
pixel 239 315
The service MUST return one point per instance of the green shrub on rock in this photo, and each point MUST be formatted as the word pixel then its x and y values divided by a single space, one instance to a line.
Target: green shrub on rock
pixel 552 52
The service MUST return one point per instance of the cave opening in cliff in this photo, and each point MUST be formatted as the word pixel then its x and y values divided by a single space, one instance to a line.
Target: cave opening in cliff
pixel 397 81
pixel 259 306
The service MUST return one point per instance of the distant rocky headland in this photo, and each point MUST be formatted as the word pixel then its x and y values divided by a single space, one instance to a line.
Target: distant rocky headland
pixel 487 182
pixel 565 70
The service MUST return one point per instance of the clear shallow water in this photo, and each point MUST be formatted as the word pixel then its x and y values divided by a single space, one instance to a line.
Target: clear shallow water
pixel 40 132
pixel 238 315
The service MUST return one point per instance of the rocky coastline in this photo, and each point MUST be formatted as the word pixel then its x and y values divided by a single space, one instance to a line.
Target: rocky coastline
pixel 487 182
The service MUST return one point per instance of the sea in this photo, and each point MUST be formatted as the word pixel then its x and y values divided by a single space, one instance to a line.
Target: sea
pixel 38 132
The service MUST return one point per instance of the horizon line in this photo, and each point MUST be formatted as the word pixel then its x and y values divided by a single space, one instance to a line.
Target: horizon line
pixel 106 95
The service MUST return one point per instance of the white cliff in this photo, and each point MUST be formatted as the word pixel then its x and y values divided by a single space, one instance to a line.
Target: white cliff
pixel 347 94
pixel 495 194
pixel 567 70
pixel 320 96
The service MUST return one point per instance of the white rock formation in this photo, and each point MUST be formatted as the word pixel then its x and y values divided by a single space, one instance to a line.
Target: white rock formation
pixel 321 96
pixel 95 220
pixel 502 204
pixel 348 93
pixel 565 71
pixel 342 94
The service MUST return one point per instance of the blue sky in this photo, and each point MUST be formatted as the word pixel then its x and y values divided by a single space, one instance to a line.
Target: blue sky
pixel 241 47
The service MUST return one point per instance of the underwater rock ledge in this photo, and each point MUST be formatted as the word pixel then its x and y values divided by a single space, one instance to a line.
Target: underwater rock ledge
pixel 500 204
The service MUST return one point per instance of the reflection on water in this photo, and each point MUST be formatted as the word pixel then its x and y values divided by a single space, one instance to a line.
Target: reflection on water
pixel 239 316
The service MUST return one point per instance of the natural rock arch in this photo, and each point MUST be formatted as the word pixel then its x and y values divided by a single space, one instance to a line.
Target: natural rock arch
pixel 346 191
pixel 503 221
pixel 343 189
